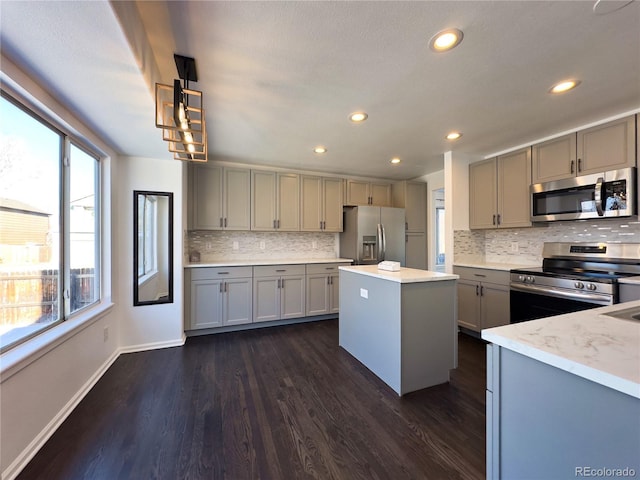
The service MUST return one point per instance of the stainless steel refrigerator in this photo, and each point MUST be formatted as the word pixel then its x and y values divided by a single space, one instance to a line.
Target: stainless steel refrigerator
pixel 373 234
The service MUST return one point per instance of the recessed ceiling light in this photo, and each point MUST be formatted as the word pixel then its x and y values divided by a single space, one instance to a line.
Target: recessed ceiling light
pixel 320 149
pixel 564 86
pixel 358 117
pixel 395 160
pixel 453 136
pixel 445 40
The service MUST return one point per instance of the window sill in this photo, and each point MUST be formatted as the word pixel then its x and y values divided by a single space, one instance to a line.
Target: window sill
pixel 21 356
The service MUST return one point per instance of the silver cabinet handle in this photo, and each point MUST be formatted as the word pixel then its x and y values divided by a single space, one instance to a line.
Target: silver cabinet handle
pixel 221 224
pixel 274 224
pixel 499 219
pixel 225 222
pixel 572 164
pixel 494 219
pixel 579 165
pixel 477 290
pixel 221 286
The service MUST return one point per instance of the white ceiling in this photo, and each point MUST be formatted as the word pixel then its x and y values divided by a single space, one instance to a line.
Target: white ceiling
pixel 281 77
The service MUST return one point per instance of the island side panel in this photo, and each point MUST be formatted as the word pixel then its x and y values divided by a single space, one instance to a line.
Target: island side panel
pixel 429 333
pixel 369 328
pixel 552 422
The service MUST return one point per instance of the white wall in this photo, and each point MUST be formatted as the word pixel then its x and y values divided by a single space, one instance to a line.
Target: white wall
pixel 149 326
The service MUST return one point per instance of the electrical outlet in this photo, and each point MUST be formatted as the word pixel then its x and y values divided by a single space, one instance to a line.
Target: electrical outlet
pixel 364 293
pixel 262 245
pixel 105 333
pixel 207 246
pixel 236 246
pixel 514 247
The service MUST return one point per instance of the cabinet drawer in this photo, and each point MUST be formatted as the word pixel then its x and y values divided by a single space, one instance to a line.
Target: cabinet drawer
pixel 278 270
pixel 210 273
pixel 483 275
pixel 316 268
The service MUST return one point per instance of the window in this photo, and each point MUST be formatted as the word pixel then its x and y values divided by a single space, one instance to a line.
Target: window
pixel 49 225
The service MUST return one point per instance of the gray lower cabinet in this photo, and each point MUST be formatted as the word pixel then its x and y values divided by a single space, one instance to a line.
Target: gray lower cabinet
pixel 278 292
pixel 544 422
pixel 219 297
pixel 483 298
pixel 629 292
pixel 323 288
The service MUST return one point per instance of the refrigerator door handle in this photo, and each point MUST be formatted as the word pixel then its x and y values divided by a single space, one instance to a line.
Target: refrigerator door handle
pixel 379 243
pixel 383 243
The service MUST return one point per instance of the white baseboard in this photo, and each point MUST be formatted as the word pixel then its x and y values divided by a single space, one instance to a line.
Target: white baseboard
pixel 154 345
pixel 38 442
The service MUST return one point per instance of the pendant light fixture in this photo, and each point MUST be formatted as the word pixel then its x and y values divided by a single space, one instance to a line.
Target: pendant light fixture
pixel 180 114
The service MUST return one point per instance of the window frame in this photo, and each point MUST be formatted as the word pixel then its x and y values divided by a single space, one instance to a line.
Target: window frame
pixel 67 140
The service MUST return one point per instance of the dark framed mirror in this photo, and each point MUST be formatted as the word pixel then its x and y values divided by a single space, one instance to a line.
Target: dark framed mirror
pixel 152 247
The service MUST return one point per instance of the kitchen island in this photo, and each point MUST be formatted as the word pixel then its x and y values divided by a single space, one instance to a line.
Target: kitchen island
pixel 400 325
pixel 563 395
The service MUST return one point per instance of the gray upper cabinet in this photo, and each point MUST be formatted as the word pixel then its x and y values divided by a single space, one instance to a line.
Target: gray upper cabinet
pixel 554 159
pixel 275 201
pixel 321 204
pixel 609 146
pixel 220 198
pixel 499 191
pixel 412 196
pixel 368 193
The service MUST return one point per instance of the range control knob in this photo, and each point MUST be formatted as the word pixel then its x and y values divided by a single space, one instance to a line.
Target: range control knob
pixel 591 286
pixel 522 278
pixel 578 285
pixel 530 279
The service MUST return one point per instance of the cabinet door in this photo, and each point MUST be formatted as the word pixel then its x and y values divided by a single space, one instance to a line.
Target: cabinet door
pixel 292 295
pixel 468 305
pixel 318 294
pixel 357 192
pixel 206 198
pixel 416 250
pixel 288 202
pixel 554 159
pixel 483 194
pixel 237 194
pixel 206 304
pixel 494 305
pixel 311 198
pixel 237 301
pixel 416 207
pixel 380 194
pixel 514 199
pixel 607 147
pixel 334 293
pixel 266 299
pixel 332 203
pixel 263 200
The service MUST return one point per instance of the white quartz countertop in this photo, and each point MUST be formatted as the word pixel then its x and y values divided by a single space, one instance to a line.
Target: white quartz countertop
pixel 632 280
pixel 492 265
pixel 404 275
pixel 265 261
pixel 589 344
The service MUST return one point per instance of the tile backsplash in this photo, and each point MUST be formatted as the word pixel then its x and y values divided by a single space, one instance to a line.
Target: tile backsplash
pixel 219 245
pixel 500 245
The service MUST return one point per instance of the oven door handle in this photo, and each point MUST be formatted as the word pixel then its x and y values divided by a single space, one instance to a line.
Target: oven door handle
pixel 556 292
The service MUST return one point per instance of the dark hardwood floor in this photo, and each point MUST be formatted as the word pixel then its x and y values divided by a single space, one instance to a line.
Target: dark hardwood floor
pixel 276 403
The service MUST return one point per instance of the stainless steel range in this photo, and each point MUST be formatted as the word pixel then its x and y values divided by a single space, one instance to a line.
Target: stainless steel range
pixel 573 277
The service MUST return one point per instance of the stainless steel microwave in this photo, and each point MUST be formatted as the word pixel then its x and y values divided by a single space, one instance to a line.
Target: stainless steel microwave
pixel 601 195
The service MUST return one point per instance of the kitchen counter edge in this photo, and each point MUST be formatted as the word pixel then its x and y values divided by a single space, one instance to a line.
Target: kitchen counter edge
pixel 271 261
